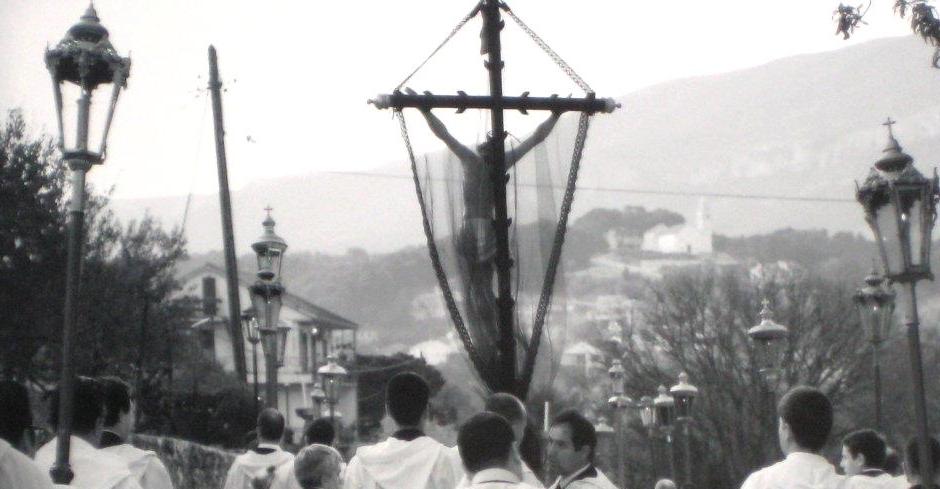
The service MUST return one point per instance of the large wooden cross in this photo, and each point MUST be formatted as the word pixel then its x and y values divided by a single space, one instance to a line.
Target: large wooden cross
pixel 496 103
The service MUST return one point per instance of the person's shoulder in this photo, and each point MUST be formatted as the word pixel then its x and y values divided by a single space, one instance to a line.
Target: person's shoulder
pixel 756 479
pixel 19 471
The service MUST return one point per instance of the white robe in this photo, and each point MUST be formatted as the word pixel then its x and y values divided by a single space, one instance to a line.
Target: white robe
pixel 93 468
pixel 497 478
pixel 528 475
pixel 422 463
pixel 597 481
pixel 799 470
pixel 145 465
pixel 880 481
pixel 17 471
pixel 248 464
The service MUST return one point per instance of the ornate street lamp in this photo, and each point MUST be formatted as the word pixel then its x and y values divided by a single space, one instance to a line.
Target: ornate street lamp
pixel 266 299
pixel 318 396
pixel 875 304
pixel 664 407
pixel 253 334
pixel 770 344
pixel 331 375
pixel 81 63
pixel 684 394
pixel 646 409
pixel 901 207
pixel 619 403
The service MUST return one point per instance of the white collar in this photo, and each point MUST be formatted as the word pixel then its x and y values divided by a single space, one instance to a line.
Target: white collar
pixel 269 445
pixel 494 474
pixel 807 458
pixel 571 477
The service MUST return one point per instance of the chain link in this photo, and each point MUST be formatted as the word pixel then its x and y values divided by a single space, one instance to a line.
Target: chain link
pixel 453 32
pixel 548 50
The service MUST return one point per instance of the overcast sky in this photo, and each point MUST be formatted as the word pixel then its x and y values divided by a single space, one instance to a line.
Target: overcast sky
pixel 298 73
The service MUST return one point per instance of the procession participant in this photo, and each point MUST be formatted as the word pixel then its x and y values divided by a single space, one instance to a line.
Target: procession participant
pixel 665 484
pixel 863 458
pixel 486 442
pixel 92 468
pixel 571 444
pixel 408 459
pixel 119 407
pixel 319 432
pixel 17 470
pixel 318 467
pixel 805 420
pixel 912 463
pixel 264 458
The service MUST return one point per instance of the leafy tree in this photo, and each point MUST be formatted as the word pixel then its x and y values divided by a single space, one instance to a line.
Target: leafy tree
pixel 924 21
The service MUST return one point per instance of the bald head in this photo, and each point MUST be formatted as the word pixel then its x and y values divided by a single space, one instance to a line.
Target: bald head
pixel 665 484
pixel 318 467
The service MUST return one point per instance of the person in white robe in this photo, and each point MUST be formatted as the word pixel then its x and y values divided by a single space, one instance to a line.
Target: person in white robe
pixel 120 407
pixel 265 457
pixel 863 459
pixel 912 465
pixel 408 459
pixel 319 432
pixel 571 444
pixel 487 450
pixel 805 421
pixel 17 470
pixel 91 467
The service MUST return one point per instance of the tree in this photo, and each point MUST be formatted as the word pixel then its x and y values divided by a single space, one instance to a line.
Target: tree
pixel 924 21
pixel 696 320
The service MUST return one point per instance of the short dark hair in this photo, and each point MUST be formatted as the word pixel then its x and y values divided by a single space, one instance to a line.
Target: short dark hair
pixel 868 443
pixel 17 417
pixel 912 455
pixel 507 406
pixel 407 397
pixel 314 464
pixel 270 424
pixel 320 432
pixel 87 406
pixel 485 441
pixel 116 396
pixel 582 431
pixel 808 412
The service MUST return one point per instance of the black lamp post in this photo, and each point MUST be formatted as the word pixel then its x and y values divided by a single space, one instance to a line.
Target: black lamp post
pixel 318 396
pixel 81 63
pixel 875 304
pixel 645 407
pixel 900 207
pixel 619 403
pixel 770 340
pixel 684 394
pixel 266 299
pixel 664 407
pixel 253 334
pixel 331 375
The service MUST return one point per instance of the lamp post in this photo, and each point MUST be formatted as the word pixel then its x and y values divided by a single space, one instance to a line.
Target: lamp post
pixel 900 207
pixel 875 304
pixel 253 334
pixel 645 407
pixel 664 407
pixel 266 298
pixel 619 403
pixel 770 346
pixel 684 394
pixel 331 375
pixel 83 61
pixel 318 396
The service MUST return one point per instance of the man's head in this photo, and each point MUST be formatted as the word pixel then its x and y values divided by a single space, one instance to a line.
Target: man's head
pixel 863 449
pixel 511 408
pixel 485 442
pixel 320 432
pixel 119 406
pixel 665 484
pixel 912 459
pixel 805 420
pixel 87 408
pixel 406 397
pixel 17 419
pixel 270 426
pixel 571 442
pixel 318 467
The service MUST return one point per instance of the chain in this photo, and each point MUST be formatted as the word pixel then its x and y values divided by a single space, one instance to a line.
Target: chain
pixel 453 32
pixel 459 325
pixel 548 50
pixel 548 283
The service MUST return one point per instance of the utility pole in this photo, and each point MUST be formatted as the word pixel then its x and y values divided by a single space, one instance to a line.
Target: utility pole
pixel 228 235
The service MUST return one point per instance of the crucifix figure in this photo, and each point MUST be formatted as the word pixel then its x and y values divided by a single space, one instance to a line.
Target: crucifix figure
pixel 483 237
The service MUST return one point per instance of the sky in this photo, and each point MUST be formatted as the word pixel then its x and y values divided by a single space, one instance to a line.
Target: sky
pixel 297 74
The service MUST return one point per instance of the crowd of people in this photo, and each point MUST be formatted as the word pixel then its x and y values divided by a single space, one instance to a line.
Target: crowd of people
pixel 488 454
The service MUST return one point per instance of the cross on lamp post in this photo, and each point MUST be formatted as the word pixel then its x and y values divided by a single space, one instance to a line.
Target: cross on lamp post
pixel 900 207
pixel 875 302
pixel 82 62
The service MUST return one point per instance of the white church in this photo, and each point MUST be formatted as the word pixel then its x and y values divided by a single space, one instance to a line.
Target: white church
pixel 688 239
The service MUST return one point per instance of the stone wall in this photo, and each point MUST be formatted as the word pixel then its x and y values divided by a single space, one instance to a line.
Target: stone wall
pixel 191 465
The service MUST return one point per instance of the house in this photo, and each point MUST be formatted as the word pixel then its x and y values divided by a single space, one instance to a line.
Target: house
pixel 315 334
pixel 686 239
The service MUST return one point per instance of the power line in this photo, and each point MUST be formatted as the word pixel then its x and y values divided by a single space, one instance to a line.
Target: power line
pixel 626 190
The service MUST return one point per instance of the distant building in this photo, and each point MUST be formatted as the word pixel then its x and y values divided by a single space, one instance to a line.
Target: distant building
pixel 582 358
pixel 694 239
pixel 315 334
